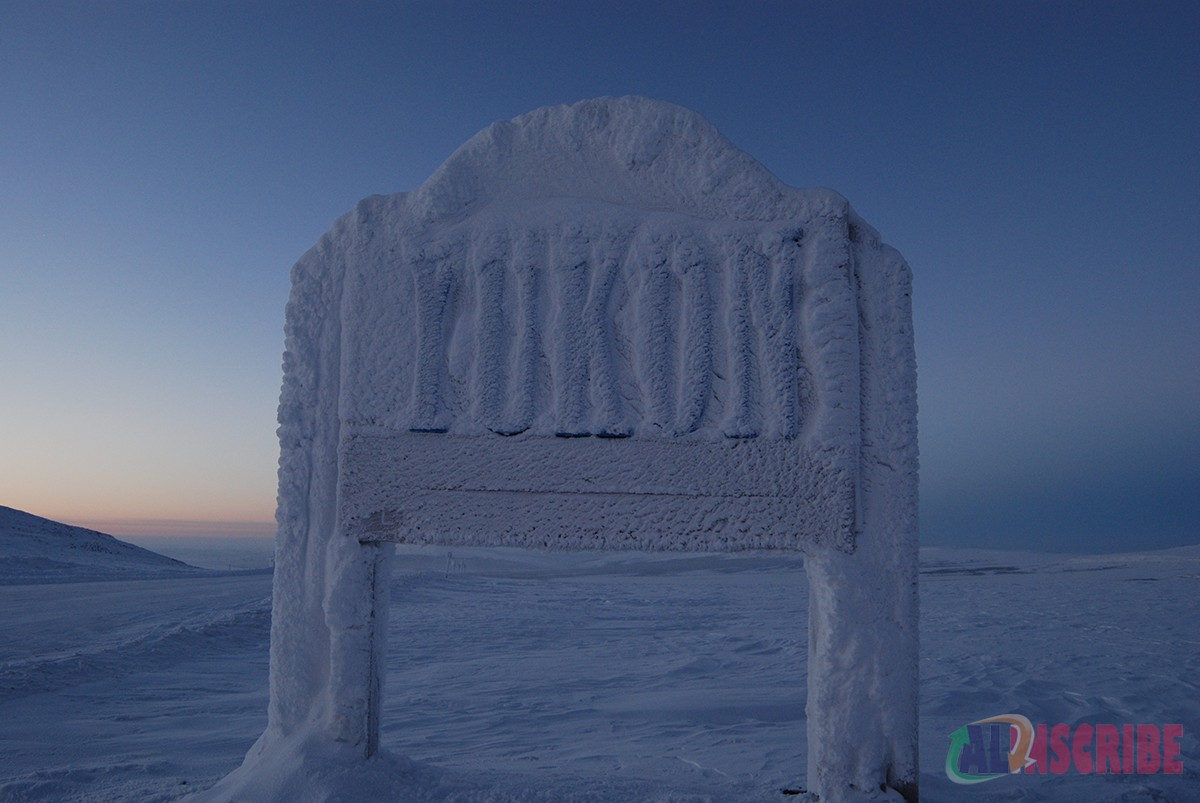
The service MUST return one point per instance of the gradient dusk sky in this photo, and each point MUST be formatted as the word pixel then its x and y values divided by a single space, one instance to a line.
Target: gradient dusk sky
pixel 163 164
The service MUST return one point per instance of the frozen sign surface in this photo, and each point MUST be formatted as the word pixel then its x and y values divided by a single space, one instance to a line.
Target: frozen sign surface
pixel 627 494
pixel 578 373
pixel 599 326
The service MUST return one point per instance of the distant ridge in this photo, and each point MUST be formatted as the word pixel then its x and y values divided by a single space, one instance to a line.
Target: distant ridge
pixel 38 550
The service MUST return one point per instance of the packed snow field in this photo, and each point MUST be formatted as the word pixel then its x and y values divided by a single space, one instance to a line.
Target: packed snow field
pixel 530 676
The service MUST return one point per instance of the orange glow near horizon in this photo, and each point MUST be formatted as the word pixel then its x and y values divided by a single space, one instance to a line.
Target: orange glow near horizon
pixel 112 511
pixel 119 488
pixel 99 506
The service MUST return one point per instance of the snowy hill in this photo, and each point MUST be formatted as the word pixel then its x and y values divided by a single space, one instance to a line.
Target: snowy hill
pixel 38 550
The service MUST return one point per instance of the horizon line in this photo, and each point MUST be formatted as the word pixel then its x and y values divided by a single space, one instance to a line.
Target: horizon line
pixel 172 528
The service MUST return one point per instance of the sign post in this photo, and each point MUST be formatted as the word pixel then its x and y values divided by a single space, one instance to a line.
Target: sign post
pixel 603 327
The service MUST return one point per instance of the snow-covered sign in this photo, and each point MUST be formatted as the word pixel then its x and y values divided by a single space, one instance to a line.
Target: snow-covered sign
pixel 603 326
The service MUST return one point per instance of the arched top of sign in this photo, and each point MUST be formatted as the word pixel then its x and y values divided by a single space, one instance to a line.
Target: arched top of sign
pixel 629 276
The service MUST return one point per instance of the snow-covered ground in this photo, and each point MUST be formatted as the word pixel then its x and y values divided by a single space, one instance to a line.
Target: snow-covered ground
pixel 126 690
pixel 527 676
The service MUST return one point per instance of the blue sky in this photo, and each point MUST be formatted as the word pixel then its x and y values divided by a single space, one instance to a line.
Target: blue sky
pixel 162 165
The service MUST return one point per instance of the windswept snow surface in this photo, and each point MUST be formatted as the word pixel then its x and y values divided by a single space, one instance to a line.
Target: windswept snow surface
pixel 642 677
pixel 129 690
pixel 521 676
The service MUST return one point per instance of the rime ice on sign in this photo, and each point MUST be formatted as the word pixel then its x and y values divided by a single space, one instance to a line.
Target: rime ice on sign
pixel 535 313
pixel 600 326
pixel 540 321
